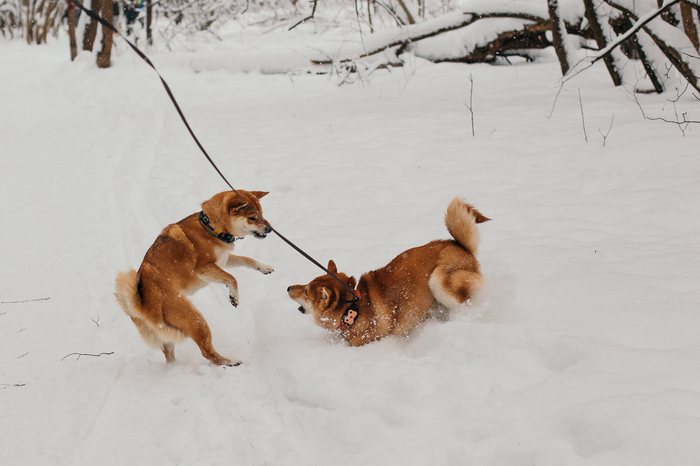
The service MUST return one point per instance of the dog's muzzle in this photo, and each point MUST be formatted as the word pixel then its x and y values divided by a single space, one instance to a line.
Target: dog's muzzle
pixel 266 231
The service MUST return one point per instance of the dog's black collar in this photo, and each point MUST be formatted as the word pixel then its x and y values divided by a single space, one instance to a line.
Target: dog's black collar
pixel 225 237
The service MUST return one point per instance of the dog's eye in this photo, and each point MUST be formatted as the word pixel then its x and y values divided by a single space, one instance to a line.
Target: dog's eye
pixel 252 219
pixel 306 292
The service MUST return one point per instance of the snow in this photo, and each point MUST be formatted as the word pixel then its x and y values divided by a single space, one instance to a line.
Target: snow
pixel 582 350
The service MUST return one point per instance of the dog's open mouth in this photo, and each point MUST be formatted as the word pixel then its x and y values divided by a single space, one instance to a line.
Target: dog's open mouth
pixel 259 235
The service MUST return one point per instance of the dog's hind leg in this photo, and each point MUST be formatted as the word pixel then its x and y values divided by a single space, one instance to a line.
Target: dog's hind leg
pixel 154 340
pixel 169 351
pixel 454 287
pixel 181 314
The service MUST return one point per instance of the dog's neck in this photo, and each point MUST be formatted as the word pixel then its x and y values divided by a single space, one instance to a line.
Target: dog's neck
pixel 209 228
pixel 352 313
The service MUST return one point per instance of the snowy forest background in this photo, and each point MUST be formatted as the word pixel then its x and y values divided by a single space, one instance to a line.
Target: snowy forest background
pixel 661 36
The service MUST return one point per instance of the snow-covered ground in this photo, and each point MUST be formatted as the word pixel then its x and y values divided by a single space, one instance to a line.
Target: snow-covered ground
pixel 584 348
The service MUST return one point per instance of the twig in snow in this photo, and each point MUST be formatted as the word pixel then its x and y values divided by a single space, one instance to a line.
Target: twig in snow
pixel 605 136
pixel 556 97
pixel 583 120
pixel 86 354
pixel 97 322
pixel 313 11
pixel 5 385
pixel 359 26
pixel 25 301
pixel 682 124
pixel 470 106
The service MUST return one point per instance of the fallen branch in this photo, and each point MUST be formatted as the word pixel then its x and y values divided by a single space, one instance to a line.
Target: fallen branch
pixel 86 354
pixel 25 301
pixel 583 120
pixel 313 11
pixel 470 106
pixel 5 385
pixel 432 28
pixel 605 136
pixel 682 124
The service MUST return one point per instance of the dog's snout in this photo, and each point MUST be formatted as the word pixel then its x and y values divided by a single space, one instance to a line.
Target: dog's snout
pixel 268 229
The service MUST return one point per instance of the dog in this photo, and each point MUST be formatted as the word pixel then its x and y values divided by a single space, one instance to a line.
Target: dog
pixel 393 300
pixel 185 257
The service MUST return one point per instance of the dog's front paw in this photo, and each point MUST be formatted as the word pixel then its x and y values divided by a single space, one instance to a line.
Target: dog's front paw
pixel 264 269
pixel 233 297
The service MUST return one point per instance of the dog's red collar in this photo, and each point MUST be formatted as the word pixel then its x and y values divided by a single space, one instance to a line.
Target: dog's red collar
pixel 225 237
pixel 351 313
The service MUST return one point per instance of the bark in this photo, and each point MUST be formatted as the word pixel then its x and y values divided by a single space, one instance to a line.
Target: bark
pixel 509 43
pixel 673 55
pixel 418 32
pixel 48 22
pixel 71 31
pixel 103 58
pixel 654 77
pixel 689 26
pixel 408 13
pixel 558 35
pixel 597 31
pixel 149 22
pixel 91 29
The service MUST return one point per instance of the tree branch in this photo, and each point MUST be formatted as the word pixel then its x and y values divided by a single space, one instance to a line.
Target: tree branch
pixel 86 354
pixel 640 23
pixel 431 28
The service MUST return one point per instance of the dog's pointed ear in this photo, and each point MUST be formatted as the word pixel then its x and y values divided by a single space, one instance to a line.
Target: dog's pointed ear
pixel 235 203
pixel 324 298
pixel 331 267
pixel 259 194
pixel 352 282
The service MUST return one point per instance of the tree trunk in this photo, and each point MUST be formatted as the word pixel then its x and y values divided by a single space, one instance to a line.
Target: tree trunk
pixel 91 29
pixel 558 35
pixel 672 54
pixel 149 21
pixel 689 26
pixel 648 67
pixel 103 58
pixel 408 13
pixel 71 31
pixel 48 21
pixel 592 18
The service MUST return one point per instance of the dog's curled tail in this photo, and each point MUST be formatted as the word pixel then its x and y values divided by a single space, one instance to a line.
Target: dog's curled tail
pixel 461 219
pixel 127 292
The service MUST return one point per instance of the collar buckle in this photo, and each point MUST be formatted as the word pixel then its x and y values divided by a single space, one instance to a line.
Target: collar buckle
pixel 206 223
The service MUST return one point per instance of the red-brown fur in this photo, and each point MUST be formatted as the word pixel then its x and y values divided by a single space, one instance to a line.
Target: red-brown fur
pixel 397 297
pixel 184 258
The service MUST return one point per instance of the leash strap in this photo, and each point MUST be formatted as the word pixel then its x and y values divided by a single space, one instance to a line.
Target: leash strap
pixel 111 27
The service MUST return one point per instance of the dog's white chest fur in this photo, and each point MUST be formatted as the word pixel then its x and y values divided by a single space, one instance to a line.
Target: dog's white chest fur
pixel 222 255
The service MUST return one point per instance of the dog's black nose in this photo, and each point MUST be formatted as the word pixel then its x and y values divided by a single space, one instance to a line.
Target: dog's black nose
pixel 268 230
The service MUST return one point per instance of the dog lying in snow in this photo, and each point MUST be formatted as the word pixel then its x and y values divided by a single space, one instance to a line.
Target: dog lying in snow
pixel 397 297
pixel 187 256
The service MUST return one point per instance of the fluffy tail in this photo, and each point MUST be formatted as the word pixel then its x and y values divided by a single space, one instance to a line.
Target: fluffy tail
pixel 461 219
pixel 127 292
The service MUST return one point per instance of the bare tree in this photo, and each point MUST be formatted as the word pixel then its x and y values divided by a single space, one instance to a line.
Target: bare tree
pixel 104 56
